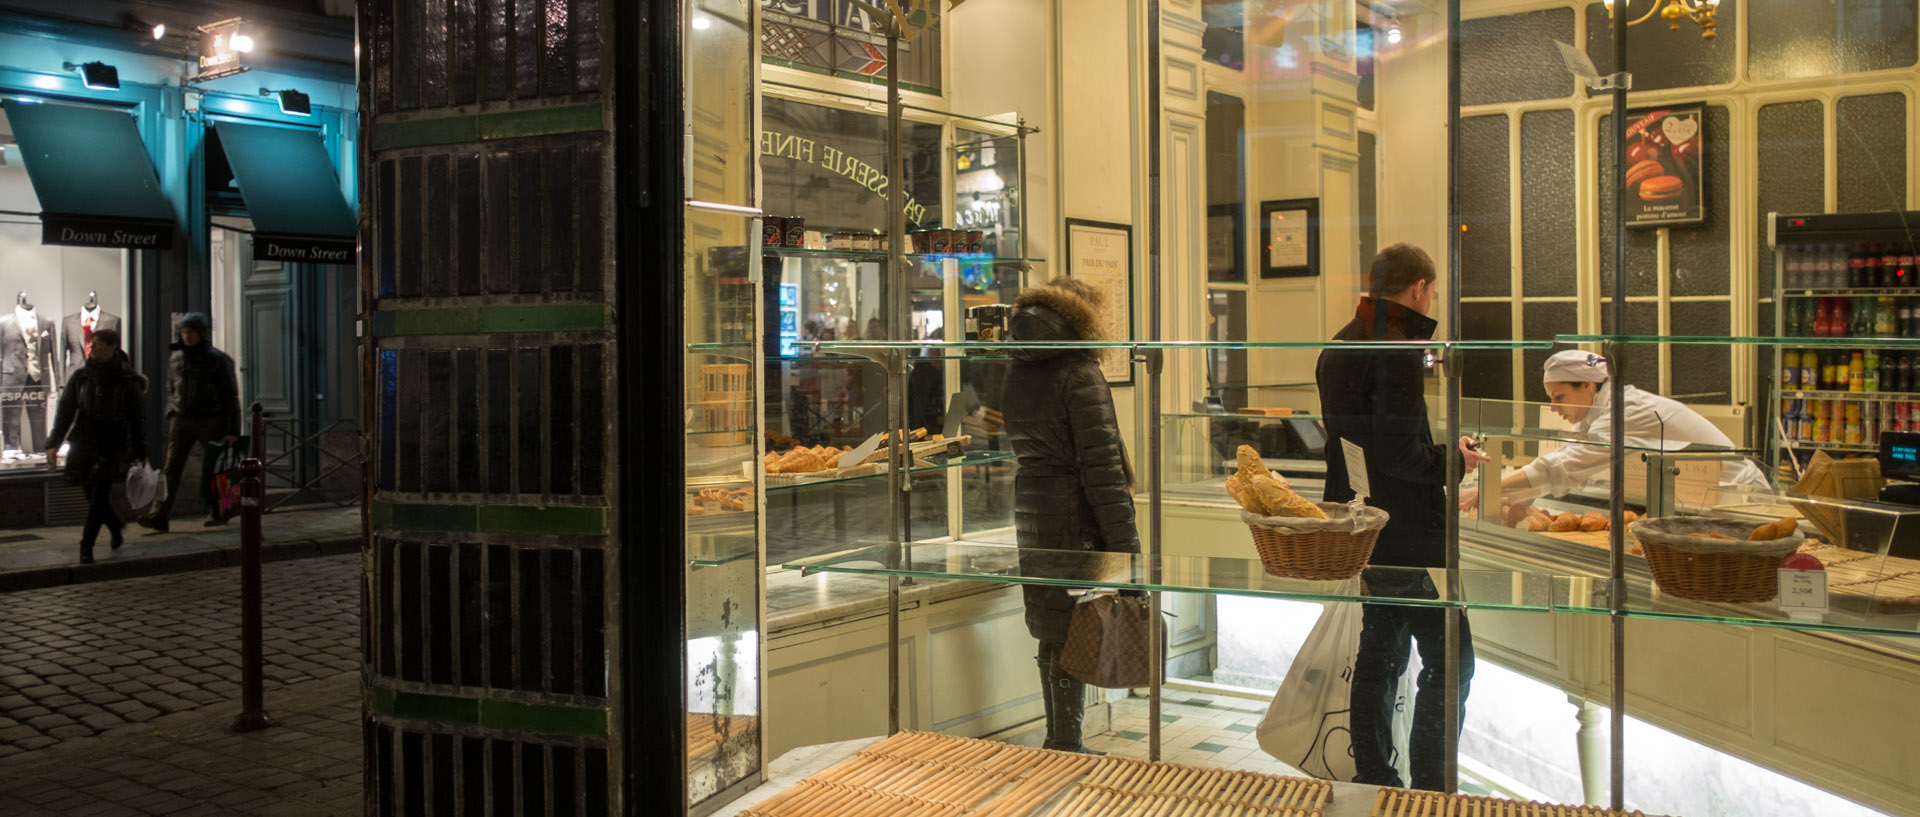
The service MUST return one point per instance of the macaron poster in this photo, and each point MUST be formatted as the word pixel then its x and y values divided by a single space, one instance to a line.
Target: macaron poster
pixel 1664 166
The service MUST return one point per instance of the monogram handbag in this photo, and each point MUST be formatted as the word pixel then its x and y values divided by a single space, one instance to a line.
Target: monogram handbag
pixel 1107 642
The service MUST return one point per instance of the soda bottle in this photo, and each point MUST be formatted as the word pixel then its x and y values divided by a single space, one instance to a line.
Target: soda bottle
pixel 1857 266
pixel 1906 317
pixel 1809 370
pixel 1870 423
pixel 1856 373
pixel 1907 272
pixel 1870 374
pixel 1887 372
pixel 1903 374
pixel 1790 370
pixel 1889 266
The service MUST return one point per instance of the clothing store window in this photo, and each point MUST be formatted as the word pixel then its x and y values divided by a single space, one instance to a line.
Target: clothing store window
pixel 1225 40
pixel 55 298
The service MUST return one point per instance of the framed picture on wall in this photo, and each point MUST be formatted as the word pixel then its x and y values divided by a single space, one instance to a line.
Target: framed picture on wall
pixel 1290 238
pixel 1665 178
pixel 1101 253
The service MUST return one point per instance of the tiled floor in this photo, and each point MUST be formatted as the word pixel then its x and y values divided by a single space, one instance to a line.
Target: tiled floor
pixel 1195 729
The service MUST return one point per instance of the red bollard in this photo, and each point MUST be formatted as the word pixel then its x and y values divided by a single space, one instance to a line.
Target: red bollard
pixel 253 714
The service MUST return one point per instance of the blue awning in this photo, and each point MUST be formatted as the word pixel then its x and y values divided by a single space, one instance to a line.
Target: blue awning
pixel 90 170
pixel 291 192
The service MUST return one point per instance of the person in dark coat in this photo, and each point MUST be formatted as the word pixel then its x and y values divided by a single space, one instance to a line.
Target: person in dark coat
pixel 1073 489
pixel 99 414
pixel 1376 399
pixel 203 407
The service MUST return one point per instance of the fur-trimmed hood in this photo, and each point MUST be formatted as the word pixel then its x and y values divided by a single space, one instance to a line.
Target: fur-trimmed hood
pixel 1063 310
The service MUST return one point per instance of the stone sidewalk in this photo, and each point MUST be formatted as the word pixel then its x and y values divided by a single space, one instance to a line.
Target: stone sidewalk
pixel 115 697
pixel 48 557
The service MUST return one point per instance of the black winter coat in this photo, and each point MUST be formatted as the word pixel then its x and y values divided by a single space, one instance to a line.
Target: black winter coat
pixel 1377 399
pixel 1072 490
pixel 99 414
pixel 201 385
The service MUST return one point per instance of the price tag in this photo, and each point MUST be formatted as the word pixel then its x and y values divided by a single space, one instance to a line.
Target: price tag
pixel 1803 585
pixel 1356 469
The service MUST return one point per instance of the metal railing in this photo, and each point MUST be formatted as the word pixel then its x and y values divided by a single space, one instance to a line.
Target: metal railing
pixel 297 464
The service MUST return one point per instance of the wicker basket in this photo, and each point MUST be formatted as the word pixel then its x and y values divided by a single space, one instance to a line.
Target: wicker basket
pixel 1316 549
pixel 1690 567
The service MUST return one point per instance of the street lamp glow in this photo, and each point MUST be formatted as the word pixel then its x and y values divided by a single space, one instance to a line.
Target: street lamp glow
pixel 242 43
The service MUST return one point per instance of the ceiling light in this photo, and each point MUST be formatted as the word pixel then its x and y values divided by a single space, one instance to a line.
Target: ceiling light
pixel 159 30
pixel 1393 33
pixel 97 76
pixel 701 22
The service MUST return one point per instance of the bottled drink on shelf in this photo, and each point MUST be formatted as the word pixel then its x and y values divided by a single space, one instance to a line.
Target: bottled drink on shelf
pixel 1887 372
pixel 1907 272
pixel 1819 421
pixel 1833 266
pixel 1886 318
pixel 1905 317
pixel 1870 374
pixel 1790 370
pixel 1857 266
pixel 1902 374
pixel 1809 370
pixel 1889 266
pixel 1856 373
pixel 1870 423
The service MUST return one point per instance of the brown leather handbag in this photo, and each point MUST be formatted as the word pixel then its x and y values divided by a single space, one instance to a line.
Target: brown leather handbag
pixel 1107 643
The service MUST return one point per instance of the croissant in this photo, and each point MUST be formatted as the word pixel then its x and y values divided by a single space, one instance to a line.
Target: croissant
pixel 1534 522
pixel 1593 522
pixel 801 461
pixel 1564 523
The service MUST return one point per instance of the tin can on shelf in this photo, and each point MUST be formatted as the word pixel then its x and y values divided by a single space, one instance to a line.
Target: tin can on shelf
pixel 941 243
pixel 976 242
pixel 773 231
pixel 988 322
pixel 922 239
pixel 796 232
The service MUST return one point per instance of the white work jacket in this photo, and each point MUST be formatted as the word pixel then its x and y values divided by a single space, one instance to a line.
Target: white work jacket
pixel 1653 422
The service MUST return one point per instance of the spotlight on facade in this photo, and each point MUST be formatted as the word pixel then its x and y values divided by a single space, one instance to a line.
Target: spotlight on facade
pixel 292 102
pixel 98 76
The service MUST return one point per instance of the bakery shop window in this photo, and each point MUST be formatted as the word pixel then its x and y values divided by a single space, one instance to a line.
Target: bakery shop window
pixel 52 299
pixel 840 39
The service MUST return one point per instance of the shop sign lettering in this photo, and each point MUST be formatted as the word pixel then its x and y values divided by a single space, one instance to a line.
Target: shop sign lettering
pixel 836 161
pixel 305 250
pixel 843 13
pixel 92 232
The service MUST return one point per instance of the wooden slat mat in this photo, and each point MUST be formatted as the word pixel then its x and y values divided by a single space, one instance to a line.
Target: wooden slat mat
pixel 1122 787
pixel 1409 803
pixel 920 773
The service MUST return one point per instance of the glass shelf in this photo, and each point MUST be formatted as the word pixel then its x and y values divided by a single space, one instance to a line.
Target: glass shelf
pixel 1704 340
pixel 1864 396
pixel 1644 600
pixel 1851 292
pixel 881 255
pixel 1549 435
pixel 1869 448
pixel 1004 564
pixel 965 459
pixel 927 347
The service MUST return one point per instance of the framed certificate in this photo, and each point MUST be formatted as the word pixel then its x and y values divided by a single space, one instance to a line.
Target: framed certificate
pixel 1101 253
pixel 1290 238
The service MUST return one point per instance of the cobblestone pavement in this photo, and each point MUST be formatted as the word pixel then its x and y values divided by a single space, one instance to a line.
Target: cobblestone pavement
pixel 85 660
pixel 33 558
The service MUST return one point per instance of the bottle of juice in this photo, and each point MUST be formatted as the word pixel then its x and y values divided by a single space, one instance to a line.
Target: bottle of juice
pixel 1885 318
pixel 1870 373
pixel 1856 373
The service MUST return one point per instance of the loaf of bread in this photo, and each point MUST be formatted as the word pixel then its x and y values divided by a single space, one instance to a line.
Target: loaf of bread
pixel 1259 491
pixel 1774 530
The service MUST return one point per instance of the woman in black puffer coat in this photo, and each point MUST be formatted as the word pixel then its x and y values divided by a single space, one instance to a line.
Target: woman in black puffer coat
pixel 99 413
pixel 1073 490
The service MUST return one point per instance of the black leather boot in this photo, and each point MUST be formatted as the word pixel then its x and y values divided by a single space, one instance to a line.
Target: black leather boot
pixel 1066 706
pixel 86 553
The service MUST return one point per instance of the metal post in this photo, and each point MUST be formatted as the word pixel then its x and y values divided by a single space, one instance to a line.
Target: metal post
pixel 1617 564
pixel 1449 373
pixel 1151 552
pixel 900 305
pixel 253 713
pixel 257 444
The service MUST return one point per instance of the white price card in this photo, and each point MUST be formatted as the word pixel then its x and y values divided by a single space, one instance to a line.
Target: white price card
pixel 1803 584
pixel 1356 469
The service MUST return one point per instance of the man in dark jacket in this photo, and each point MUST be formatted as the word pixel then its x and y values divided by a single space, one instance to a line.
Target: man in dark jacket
pixel 99 417
pixel 1073 490
pixel 203 406
pixel 1376 399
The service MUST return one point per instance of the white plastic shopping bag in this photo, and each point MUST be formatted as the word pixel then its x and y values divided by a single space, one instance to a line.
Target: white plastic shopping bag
pixel 1306 727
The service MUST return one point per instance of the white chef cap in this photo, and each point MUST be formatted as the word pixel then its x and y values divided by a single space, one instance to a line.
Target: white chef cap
pixel 1575 366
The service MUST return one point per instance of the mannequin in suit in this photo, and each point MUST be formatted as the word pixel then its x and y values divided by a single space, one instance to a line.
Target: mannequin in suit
pixel 26 377
pixel 77 328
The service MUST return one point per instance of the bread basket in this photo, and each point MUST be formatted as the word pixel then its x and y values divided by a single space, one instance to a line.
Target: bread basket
pixel 1329 549
pixel 1686 565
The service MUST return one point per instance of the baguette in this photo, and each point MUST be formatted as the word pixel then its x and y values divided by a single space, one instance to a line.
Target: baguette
pixel 1714 536
pixel 1774 530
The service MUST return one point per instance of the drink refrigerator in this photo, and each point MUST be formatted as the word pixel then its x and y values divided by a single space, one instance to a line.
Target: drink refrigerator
pixel 1848 284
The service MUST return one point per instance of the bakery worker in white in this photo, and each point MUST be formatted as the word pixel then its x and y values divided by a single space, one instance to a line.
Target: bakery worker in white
pixel 1576 383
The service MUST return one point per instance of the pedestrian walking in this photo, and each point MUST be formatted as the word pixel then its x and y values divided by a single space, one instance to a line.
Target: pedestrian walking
pixel 1376 399
pixel 99 415
pixel 203 407
pixel 1073 491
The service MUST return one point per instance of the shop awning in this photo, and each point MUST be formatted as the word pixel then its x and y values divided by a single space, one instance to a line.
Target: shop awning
pixel 90 170
pixel 291 192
